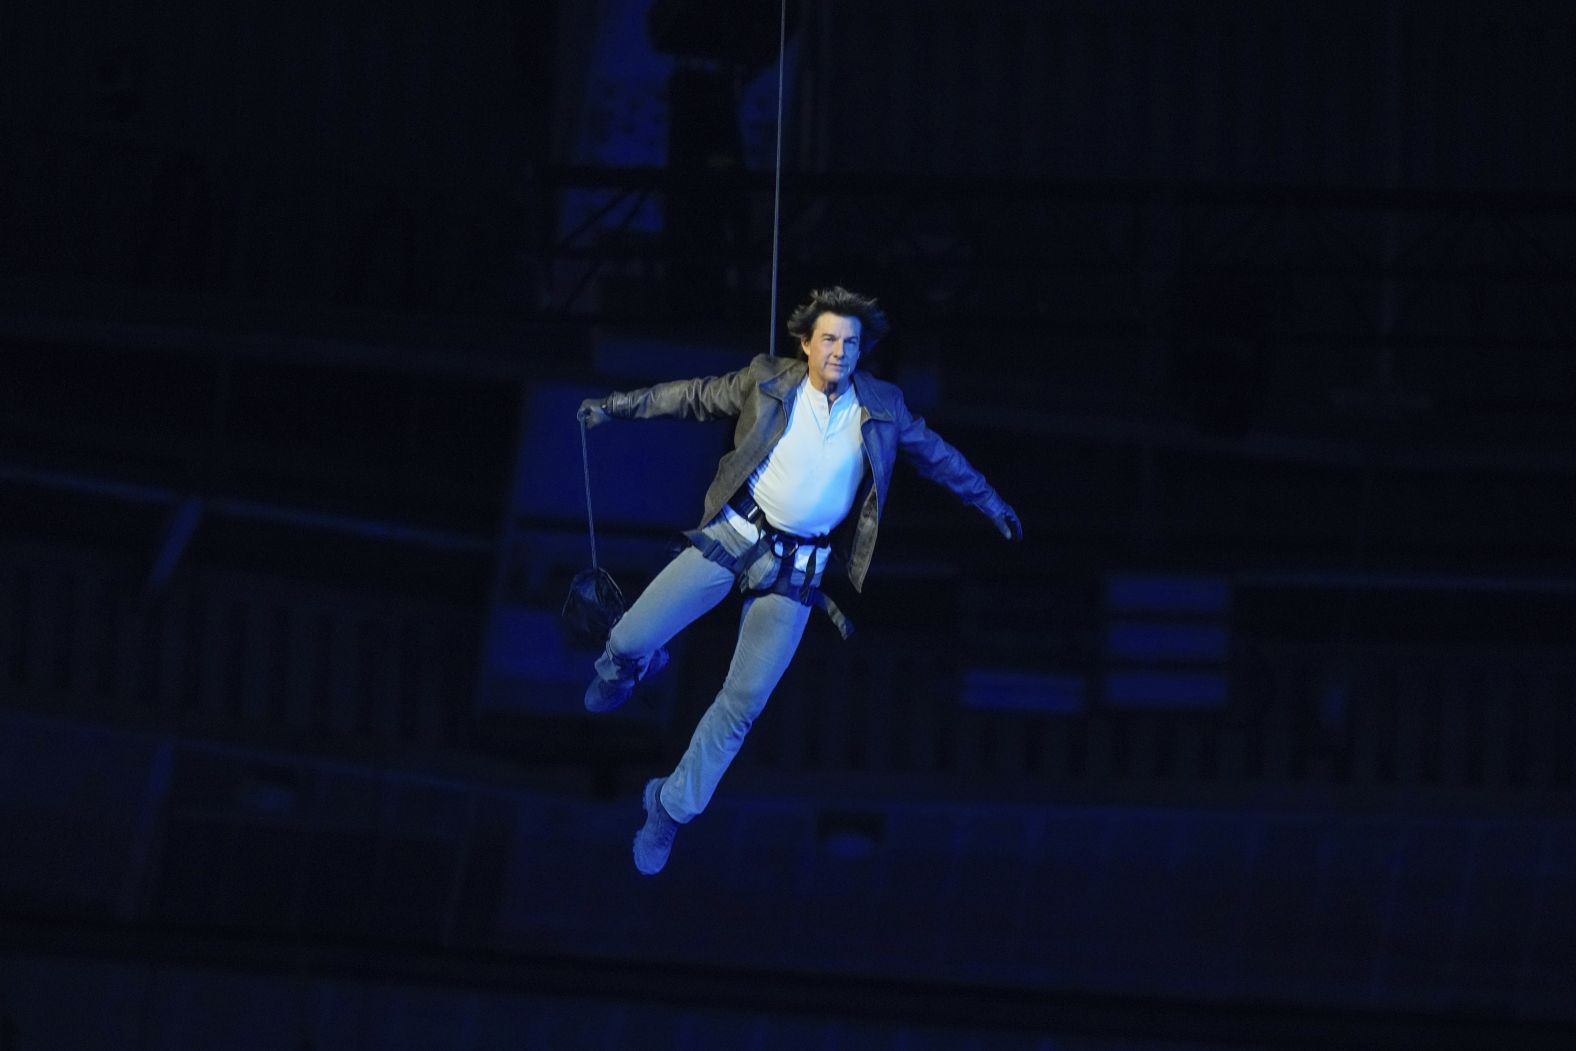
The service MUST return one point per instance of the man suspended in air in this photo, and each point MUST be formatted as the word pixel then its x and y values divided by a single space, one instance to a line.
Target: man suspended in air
pixel 805 483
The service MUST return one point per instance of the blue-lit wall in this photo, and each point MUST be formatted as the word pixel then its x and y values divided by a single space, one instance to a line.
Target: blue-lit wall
pixel 1265 736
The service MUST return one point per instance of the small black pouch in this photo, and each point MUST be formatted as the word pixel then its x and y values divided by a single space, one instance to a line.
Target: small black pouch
pixel 594 604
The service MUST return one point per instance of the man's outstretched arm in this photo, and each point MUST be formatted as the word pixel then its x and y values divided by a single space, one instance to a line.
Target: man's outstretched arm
pixel 933 458
pixel 708 398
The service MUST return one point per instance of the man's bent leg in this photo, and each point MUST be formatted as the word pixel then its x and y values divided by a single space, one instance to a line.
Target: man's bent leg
pixel 687 587
pixel 769 633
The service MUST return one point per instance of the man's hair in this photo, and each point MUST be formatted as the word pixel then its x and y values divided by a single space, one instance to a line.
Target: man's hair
pixel 838 300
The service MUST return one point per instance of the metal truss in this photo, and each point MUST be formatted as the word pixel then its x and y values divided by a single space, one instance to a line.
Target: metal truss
pixel 1007 248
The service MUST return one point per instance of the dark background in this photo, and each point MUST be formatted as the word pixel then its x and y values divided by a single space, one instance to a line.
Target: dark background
pixel 1259 313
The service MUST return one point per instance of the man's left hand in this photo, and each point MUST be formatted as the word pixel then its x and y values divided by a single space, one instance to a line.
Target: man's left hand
pixel 1007 521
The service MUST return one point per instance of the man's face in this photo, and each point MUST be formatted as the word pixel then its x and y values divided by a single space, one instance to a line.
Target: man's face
pixel 833 350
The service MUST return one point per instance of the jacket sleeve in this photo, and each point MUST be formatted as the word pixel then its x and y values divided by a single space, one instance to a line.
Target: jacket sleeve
pixel 708 398
pixel 938 461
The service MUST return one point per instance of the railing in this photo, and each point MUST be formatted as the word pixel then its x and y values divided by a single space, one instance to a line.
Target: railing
pixel 1474 721
pixel 228 651
pixel 293 662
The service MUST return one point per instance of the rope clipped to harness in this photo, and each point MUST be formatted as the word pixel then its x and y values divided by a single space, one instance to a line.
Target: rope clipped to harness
pixel 595 603
pixel 777 174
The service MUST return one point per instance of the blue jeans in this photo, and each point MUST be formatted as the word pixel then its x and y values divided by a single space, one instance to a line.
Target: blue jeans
pixel 769 632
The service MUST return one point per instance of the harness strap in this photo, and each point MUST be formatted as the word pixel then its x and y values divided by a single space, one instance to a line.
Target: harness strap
pixel 782 583
pixel 784 542
pixel 813 597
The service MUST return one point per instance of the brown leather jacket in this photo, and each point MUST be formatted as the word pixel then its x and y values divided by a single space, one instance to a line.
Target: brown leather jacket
pixel 761 397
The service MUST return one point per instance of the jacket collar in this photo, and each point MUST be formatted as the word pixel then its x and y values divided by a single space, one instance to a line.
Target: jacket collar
pixel 785 379
pixel 875 395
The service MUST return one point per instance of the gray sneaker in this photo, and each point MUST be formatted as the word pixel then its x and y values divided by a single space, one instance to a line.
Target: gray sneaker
pixel 654 841
pixel 603 696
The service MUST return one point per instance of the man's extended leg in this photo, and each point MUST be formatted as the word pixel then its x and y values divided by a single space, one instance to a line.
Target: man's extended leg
pixel 687 587
pixel 769 633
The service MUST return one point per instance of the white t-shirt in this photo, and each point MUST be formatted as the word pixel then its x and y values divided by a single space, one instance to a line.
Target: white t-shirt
pixel 810 478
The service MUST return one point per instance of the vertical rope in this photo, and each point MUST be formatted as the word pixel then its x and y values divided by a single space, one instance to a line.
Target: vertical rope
pixel 585 461
pixel 777 172
pixel 777 198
